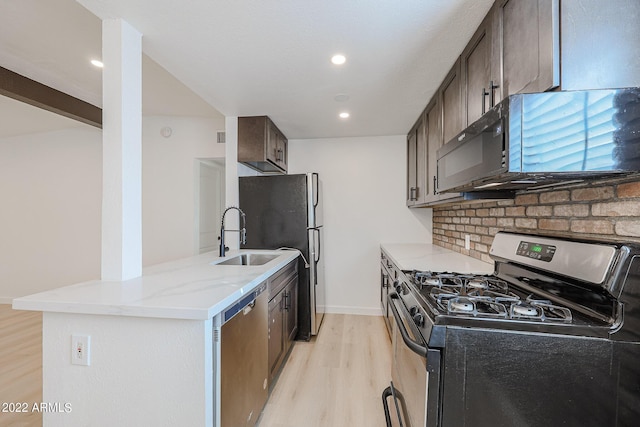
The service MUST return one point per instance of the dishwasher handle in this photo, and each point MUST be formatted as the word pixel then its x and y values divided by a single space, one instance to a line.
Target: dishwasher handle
pixel 244 305
pixel 247 309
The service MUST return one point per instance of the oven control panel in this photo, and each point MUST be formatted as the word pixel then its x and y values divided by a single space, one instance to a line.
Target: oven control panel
pixel 537 251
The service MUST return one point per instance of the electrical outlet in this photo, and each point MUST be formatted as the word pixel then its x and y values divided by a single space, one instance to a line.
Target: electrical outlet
pixel 81 350
pixel 467 242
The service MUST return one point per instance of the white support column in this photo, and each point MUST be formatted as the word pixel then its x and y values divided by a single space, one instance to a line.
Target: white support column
pixel 121 151
pixel 232 194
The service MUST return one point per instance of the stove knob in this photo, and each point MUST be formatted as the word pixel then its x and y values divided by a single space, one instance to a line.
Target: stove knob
pixel 413 310
pixel 397 286
pixel 418 318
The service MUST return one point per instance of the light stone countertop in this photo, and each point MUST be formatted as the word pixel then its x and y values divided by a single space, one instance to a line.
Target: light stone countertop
pixel 428 257
pixel 189 288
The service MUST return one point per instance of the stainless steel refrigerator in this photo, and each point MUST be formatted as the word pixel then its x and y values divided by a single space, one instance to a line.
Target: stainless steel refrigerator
pixel 286 211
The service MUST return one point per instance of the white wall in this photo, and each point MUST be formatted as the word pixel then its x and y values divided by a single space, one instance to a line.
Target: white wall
pixel 364 182
pixel 169 175
pixel 50 192
pixel 144 371
pixel 51 189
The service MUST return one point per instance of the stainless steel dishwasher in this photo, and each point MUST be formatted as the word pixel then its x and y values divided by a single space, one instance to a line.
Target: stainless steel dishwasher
pixel 244 361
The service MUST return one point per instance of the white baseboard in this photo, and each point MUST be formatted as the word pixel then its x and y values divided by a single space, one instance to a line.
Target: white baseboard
pixel 6 300
pixel 363 311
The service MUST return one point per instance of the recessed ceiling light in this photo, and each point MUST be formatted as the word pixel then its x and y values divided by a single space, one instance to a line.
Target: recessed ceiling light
pixel 344 115
pixel 97 63
pixel 338 59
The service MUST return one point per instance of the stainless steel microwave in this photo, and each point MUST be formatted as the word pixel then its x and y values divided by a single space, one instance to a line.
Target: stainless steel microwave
pixel 544 139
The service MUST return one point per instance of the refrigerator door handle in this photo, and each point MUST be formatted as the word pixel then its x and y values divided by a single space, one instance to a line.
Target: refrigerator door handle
pixel 317 231
pixel 316 189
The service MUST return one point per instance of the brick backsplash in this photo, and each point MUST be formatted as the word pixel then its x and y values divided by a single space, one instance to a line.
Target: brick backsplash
pixel 604 210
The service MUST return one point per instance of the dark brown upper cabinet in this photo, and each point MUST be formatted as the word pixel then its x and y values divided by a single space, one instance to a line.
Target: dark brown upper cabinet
pixel 528 40
pixel 480 72
pixel 261 145
pixel 417 163
pixel 600 44
pixel 524 46
pixel 451 103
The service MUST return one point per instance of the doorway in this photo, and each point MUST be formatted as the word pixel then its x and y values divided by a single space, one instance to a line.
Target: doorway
pixel 210 203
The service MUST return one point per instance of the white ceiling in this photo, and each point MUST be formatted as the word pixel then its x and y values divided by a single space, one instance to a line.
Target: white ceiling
pixel 249 57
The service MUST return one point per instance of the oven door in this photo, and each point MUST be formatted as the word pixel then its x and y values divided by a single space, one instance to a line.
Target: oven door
pixel 410 377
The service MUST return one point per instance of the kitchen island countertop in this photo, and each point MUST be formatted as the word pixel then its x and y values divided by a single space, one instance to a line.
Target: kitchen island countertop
pixel 190 288
pixel 429 257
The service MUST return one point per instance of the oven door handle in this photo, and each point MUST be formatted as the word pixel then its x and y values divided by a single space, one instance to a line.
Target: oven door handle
pixel 416 347
pixel 390 391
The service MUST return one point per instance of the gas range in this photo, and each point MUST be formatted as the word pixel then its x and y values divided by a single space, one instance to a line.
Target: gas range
pixel 540 284
pixel 554 310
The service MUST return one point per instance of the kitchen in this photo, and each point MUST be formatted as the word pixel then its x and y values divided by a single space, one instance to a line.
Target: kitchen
pixel 362 233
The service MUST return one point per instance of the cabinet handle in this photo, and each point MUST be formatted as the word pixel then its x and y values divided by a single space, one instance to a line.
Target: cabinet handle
pixel 482 98
pixel 434 184
pixel 279 155
pixel 413 194
pixel 492 98
pixel 285 297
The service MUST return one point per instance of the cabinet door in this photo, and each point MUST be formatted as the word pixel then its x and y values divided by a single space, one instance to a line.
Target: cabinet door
pixel 479 86
pixel 276 342
pixel 417 163
pixel 272 142
pixel 283 147
pixel 434 141
pixel 290 297
pixel 421 154
pixel 529 45
pixel 451 104
pixel 412 167
pixel 603 39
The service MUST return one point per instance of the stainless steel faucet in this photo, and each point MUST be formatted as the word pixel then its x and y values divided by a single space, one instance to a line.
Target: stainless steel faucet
pixel 242 231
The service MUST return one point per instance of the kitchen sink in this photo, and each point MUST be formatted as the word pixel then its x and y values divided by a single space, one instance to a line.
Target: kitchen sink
pixel 247 259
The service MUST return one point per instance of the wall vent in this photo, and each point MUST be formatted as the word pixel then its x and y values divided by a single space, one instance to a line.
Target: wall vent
pixel 221 137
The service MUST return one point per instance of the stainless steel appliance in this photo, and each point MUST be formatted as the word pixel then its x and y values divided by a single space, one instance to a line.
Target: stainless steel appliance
pixel 243 360
pixel 541 139
pixel 286 211
pixel 388 280
pixel 551 338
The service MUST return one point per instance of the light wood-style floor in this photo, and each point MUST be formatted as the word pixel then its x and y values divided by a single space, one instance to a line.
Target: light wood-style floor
pixel 336 379
pixel 20 365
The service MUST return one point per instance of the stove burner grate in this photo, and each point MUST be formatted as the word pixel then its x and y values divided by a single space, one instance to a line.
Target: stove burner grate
pixel 484 296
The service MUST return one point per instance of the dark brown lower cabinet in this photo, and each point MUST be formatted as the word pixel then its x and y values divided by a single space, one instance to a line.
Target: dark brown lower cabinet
pixel 283 317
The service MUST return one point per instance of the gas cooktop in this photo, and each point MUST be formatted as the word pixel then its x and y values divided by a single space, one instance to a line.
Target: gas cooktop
pixel 484 296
